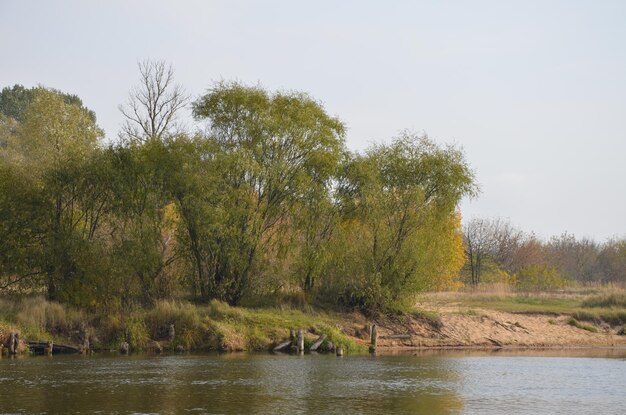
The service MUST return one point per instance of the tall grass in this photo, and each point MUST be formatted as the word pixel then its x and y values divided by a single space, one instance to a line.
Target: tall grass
pixel 611 300
pixel 215 325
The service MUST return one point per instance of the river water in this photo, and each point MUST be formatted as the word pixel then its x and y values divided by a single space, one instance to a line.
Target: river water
pixel 505 382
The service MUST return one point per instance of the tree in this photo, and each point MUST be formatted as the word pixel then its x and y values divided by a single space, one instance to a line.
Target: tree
pixel 152 109
pixel 15 100
pixel 400 201
pixel 272 148
pixel 576 259
pixel 50 147
pixel 495 242
pixel 612 261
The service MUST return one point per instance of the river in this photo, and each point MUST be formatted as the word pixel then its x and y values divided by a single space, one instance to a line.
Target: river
pixel 464 382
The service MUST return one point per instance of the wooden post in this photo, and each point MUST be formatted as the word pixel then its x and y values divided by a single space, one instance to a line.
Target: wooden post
pixel 49 347
pixel 85 348
pixel 339 351
pixel 172 332
pixel 373 339
pixel 300 341
pixel 124 347
pixel 13 340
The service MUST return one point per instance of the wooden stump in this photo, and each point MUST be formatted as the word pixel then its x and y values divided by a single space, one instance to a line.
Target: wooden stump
pixel 339 351
pixel 373 338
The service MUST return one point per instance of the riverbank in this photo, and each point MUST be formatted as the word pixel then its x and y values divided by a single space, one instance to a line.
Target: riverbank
pixel 440 320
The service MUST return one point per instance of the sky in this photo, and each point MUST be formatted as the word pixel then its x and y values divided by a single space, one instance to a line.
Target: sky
pixel 533 91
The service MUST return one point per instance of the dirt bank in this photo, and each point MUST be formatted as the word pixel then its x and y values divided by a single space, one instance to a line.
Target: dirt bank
pixel 461 327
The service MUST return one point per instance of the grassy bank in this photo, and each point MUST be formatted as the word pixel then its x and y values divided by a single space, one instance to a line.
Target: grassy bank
pixel 214 326
pixel 459 319
pixel 598 306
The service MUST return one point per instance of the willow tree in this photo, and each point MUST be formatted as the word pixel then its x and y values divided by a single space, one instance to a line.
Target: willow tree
pixel 401 229
pixel 272 148
pixel 51 146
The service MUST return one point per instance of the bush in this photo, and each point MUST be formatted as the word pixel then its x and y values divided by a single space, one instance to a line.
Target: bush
pixel 539 278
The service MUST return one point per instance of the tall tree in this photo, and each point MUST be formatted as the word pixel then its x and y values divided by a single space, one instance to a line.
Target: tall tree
pixel 393 198
pixel 272 149
pixel 153 106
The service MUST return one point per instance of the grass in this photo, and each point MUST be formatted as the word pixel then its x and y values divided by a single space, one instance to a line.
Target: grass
pixel 214 326
pixel 575 323
pixel 431 317
pixel 612 300
pixel 591 304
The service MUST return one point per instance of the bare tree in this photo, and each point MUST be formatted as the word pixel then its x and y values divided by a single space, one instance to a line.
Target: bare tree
pixel 479 243
pixel 495 239
pixel 152 107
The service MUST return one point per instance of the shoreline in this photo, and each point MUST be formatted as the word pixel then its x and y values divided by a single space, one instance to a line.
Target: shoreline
pixel 436 324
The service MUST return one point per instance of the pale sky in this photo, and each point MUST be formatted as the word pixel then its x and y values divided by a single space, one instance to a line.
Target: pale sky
pixel 534 91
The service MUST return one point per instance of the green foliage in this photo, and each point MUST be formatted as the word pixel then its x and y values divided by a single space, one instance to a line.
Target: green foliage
pixel 273 150
pixel 16 100
pixel 575 323
pixel 266 204
pixel 399 234
pixel 539 278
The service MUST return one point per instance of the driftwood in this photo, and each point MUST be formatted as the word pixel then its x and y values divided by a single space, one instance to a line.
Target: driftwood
pixel 495 342
pixel 399 336
pixel 49 347
pixel 282 346
pixel 318 343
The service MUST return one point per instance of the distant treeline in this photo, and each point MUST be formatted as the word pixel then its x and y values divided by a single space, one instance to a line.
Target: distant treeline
pixel 497 252
pixel 262 202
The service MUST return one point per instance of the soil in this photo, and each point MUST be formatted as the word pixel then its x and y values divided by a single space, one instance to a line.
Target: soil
pixel 480 328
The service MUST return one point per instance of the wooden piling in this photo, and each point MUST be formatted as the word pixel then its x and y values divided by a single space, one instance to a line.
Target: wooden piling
pixel 301 341
pixel 373 338
pixel 49 347
pixel 13 343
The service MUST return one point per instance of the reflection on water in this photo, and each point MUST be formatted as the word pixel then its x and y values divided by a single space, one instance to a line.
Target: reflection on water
pixel 417 383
